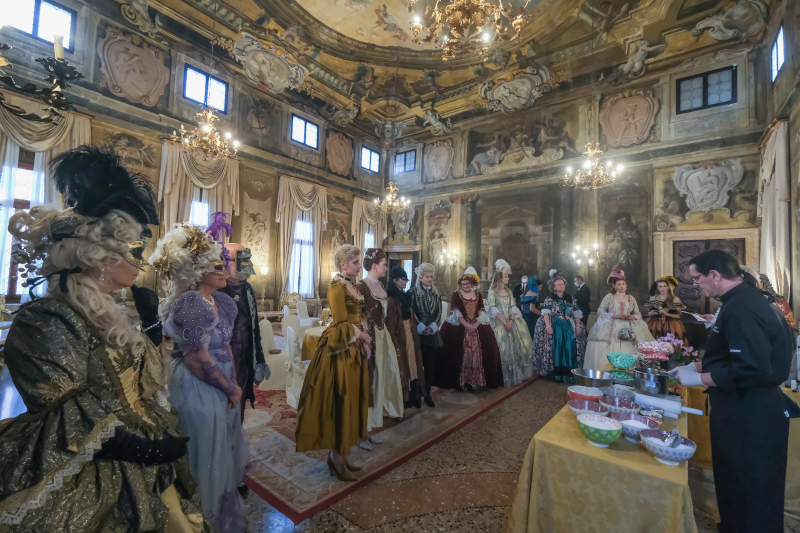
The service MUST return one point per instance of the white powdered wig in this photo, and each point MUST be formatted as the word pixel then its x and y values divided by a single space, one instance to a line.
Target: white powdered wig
pixel 182 268
pixel 95 244
pixel 424 268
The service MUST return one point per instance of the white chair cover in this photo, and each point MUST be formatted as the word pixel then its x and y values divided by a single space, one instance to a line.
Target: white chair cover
pixel 292 321
pixel 277 362
pixel 445 313
pixel 286 311
pixel 302 309
pixel 296 369
pixel 267 336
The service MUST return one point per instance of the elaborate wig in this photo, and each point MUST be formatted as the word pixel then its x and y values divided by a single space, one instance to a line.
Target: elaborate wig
pixel 105 223
pixel 183 256
pixel 422 269
pixel 373 256
pixel 502 268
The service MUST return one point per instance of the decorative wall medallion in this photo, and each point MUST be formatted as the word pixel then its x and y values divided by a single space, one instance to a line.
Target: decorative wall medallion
pixel 340 153
pixel 438 160
pixel 741 20
pixel 402 221
pixel 436 124
pixel 134 69
pixel 515 91
pixel 269 68
pixel 628 117
pixel 708 188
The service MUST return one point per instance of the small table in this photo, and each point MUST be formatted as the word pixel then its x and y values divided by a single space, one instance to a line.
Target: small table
pixel 310 341
pixel 269 315
pixel 567 484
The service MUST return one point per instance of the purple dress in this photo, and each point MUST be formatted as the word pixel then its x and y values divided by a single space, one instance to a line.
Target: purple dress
pixel 218 449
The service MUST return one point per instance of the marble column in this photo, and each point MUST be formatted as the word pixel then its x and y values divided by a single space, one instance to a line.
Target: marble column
pixel 473 244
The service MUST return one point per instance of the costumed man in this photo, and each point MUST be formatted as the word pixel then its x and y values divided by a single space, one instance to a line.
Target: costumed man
pixel 520 289
pixel 583 297
pixel 402 321
pixel 248 354
pixel 427 306
pixel 748 354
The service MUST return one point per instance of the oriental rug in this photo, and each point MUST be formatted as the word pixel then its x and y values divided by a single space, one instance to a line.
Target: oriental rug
pixel 299 485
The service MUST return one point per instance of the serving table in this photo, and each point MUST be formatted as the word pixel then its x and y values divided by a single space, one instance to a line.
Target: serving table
pixel 310 341
pixel 569 485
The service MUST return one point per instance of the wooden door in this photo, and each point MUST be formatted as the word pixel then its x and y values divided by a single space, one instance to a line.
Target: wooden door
pixel 683 252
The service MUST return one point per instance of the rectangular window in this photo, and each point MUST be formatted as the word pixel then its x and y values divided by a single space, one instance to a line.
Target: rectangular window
pixel 198 216
pixel 370 159
pixel 369 237
pixel 408 266
pixel 305 132
pixel 301 267
pixel 42 19
pixel 205 89
pixel 710 89
pixel 405 162
pixel 777 54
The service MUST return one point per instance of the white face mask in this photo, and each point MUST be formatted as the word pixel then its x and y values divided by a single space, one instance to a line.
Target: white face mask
pixel 577 284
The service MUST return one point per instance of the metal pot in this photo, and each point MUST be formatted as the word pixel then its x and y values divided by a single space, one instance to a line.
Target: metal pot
pixel 592 378
pixel 651 381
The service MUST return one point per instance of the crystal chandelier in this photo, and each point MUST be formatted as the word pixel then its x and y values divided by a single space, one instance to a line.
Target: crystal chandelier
pixel 205 141
pixel 392 204
pixel 467 25
pixel 593 174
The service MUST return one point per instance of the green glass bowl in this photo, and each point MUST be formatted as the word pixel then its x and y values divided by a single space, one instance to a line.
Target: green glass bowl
pixel 621 361
pixel 599 437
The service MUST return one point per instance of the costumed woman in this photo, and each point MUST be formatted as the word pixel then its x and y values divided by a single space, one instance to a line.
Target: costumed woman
pixel 619 326
pixel 530 303
pixel 248 354
pixel 470 355
pixel 199 318
pixel 385 374
pixel 511 331
pixel 664 309
pixel 333 406
pixel 427 307
pixel 402 325
pixel 559 341
pixel 99 448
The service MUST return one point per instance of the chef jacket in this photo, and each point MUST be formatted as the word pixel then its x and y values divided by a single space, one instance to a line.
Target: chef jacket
pixel 750 344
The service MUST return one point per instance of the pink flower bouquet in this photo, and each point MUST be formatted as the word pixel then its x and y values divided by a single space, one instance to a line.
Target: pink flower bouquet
pixel 679 352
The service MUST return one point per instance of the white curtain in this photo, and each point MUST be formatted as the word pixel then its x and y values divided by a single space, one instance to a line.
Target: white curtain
pixel 295 195
pixel 773 208
pixel 182 175
pixel 365 214
pixel 46 140
pixel 303 264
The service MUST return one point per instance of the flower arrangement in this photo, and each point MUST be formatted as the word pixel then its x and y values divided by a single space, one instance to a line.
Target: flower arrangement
pixel 655 350
pixel 680 352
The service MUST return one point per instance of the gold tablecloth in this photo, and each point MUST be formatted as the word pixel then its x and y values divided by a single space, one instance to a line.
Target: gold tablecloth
pixel 568 485
pixel 705 499
pixel 310 341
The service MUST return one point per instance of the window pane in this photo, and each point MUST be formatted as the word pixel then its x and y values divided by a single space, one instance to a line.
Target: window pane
pixel 408 266
pixel 54 21
pixel 779 43
pixel 298 129
pixel 369 237
pixel 199 214
pixel 365 157
pixel 376 162
pixel 399 163
pixel 194 85
pixel 19 14
pixel 312 132
pixel 411 161
pixel 23 186
pixel 217 95
pixel 301 267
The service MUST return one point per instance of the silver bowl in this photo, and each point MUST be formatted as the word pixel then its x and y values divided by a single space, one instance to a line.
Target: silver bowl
pixel 614 392
pixel 651 381
pixel 592 378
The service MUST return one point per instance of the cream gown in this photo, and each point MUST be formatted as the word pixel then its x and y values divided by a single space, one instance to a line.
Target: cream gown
pixel 387 390
pixel 515 347
pixel 603 337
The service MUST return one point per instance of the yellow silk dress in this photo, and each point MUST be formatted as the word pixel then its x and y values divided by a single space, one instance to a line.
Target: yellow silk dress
pixel 332 410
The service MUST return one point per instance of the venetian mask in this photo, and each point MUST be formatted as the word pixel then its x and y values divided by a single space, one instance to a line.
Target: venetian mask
pixel 244 263
pixel 135 254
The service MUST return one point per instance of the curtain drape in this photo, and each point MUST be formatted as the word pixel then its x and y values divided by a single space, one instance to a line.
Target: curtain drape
pixel 365 212
pixel 773 208
pixel 182 173
pixel 295 195
pixel 46 140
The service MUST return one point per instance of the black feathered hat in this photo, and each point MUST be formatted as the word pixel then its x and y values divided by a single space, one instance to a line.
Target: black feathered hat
pixel 94 182
pixel 398 272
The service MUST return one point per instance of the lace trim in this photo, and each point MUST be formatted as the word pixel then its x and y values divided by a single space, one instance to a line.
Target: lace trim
pixel 15 507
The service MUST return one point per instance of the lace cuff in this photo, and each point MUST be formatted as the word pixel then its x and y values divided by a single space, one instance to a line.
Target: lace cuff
pixel 453 318
pixel 578 314
pixel 604 318
pixel 483 318
pixel 355 335
pixel 435 327
pixel 545 311
pixel 493 312
pixel 515 311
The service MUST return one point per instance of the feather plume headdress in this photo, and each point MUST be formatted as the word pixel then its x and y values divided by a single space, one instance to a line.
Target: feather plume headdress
pixel 669 280
pixel 502 266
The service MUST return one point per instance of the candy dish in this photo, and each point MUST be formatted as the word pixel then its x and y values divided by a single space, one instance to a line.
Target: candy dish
pixel 579 392
pixel 621 361
pixel 651 438
pixel 600 430
pixel 582 407
pixel 629 427
pixel 619 405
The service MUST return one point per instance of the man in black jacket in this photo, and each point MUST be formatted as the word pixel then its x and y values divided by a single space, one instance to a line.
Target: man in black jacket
pixel 748 354
pixel 520 289
pixel 583 297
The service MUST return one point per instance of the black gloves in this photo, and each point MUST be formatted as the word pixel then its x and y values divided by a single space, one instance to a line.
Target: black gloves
pixel 125 446
pixel 146 301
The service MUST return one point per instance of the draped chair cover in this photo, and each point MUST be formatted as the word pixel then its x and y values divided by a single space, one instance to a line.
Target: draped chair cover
pixel 295 195
pixel 366 212
pixel 773 208
pixel 46 140
pixel 182 172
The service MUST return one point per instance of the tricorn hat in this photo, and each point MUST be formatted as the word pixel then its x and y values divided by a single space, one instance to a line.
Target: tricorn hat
pixel 398 272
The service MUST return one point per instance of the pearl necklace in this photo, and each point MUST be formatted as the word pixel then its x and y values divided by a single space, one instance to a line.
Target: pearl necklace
pixel 209 299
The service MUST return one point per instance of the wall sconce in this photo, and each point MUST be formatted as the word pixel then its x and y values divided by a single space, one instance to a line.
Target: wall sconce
pixel 449 259
pixel 587 258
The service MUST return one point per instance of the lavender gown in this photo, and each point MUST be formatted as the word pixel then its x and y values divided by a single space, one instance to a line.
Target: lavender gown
pixel 218 449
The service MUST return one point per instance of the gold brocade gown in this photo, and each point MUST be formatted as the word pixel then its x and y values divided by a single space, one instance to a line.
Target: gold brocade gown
pixel 332 411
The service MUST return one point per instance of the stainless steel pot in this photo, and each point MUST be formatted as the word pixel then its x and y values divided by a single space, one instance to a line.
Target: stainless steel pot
pixel 651 381
pixel 592 378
